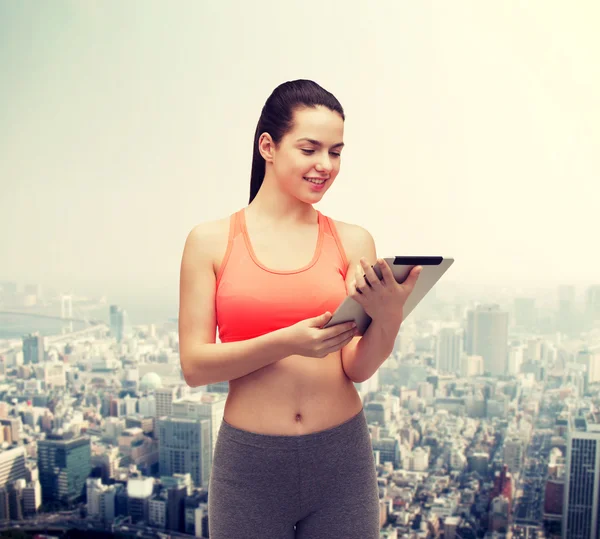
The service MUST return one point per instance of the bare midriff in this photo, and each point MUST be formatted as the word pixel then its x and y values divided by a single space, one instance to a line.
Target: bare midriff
pixel 295 395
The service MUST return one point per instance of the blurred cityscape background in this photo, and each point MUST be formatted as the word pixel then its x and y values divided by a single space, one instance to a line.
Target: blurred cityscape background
pixel 473 127
pixel 485 420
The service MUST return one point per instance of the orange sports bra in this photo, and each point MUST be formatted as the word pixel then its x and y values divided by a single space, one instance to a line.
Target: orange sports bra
pixel 252 300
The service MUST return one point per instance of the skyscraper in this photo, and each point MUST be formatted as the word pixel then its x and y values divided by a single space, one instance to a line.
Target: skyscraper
pixel 164 400
pixel 12 465
pixel 117 322
pixel 33 348
pixel 184 447
pixel 64 463
pixel 489 339
pixel 582 481
pixel 209 406
pixel 449 350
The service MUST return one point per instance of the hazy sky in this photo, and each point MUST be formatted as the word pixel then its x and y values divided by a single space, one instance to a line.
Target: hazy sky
pixel 472 131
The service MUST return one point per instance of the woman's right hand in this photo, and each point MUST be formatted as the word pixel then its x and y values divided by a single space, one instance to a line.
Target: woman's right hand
pixel 308 337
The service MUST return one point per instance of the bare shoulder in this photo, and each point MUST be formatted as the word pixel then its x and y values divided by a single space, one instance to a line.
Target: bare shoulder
pixel 356 240
pixel 197 286
pixel 208 240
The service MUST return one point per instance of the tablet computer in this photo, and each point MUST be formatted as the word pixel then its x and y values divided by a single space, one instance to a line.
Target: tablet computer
pixel 433 269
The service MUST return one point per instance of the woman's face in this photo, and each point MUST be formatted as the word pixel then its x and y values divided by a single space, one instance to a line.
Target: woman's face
pixel 307 160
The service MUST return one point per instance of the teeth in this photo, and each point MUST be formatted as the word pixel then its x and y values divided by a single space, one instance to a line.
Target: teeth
pixel 313 180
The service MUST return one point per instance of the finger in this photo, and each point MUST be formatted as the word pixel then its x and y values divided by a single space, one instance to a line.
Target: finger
pixel 321 320
pixel 334 341
pixel 338 329
pixel 356 294
pixel 386 271
pixel 411 280
pixel 360 283
pixel 369 274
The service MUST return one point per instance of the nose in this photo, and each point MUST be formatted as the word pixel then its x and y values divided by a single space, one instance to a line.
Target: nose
pixel 325 164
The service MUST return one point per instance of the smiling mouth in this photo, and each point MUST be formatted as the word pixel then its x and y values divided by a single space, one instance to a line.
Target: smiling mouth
pixel 316 181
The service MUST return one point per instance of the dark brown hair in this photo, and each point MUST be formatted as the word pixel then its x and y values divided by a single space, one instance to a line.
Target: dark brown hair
pixel 277 114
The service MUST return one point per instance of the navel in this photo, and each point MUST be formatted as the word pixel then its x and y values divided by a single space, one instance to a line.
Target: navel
pixel 298 417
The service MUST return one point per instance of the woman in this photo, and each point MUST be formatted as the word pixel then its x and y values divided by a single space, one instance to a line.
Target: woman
pixel 293 457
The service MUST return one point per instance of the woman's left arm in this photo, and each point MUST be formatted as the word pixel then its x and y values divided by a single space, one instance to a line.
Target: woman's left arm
pixel 382 301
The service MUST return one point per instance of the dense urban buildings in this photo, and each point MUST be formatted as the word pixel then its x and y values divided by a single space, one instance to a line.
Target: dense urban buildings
pixel 484 421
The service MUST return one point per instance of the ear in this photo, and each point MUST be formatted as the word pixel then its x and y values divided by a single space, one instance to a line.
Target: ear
pixel 266 147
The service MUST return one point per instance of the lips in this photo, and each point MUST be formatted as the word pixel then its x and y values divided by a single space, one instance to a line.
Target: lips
pixel 315 181
pixel 317 184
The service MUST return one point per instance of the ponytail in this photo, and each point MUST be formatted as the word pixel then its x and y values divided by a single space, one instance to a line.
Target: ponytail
pixel 277 115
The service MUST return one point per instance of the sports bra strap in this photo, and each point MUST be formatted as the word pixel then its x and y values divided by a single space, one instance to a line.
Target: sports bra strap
pixel 236 225
pixel 234 229
pixel 333 231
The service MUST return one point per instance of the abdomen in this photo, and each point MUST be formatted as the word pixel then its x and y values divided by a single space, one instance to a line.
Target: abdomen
pixel 295 395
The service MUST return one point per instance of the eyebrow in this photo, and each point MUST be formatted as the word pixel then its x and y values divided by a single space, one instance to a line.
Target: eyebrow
pixel 317 143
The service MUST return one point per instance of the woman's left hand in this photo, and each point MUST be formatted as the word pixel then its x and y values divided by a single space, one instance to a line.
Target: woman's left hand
pixel 382 299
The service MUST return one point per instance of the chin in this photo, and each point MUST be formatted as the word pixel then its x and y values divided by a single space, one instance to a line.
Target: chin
pixel 312 198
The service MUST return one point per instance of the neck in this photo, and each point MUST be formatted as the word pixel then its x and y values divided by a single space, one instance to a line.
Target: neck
pixel 275 204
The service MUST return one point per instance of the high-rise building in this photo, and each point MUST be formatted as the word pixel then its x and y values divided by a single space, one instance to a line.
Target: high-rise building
pixel 11 427
pixel 139 494
pixel 164 400
pixel 52 374
pixel 33 348
pixel 117 322
pixel 513 454
pixel 388 449
pixel 490 338
pixel 147 406
pixel 64 462
pixel 590 361
pixel 503 485
pixel 176 508
pixel 582 481
pixel 185 447
pixel 449 350
pixel 516 356
pixel 12 465
pixel 32 497
pixel 209 406
pixel 100 500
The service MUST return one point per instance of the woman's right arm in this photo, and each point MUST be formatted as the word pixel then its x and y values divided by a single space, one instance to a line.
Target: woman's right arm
pixel 204 361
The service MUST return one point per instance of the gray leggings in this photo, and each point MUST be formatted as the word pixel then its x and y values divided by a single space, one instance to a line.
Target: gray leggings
pixel 311 486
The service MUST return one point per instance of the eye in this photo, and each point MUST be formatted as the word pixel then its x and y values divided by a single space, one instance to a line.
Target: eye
pixel 309 152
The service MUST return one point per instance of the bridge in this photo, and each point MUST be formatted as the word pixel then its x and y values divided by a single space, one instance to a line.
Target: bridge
pixel 16 345
pixel 52 317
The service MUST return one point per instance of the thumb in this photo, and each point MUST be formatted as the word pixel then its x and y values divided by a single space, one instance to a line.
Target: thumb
pixel 413 276
pixel 322 319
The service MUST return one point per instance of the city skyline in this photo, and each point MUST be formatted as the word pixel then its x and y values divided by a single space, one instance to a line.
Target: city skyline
pixel 472 131
pixel 482 428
